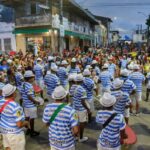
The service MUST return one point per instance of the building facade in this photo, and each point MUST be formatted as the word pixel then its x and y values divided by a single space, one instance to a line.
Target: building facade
pixel 51 25
pixel 7 38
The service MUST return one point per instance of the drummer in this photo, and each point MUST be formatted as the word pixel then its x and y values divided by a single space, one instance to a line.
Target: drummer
pixel 110 136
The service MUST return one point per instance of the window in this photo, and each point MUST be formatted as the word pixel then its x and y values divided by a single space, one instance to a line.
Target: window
pixel 46 43
pixel 7 44
pixel 0 45
pixel 33 8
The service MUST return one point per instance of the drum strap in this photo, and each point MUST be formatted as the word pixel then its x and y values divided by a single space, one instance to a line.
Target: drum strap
pixel 109 120
pixel 54 115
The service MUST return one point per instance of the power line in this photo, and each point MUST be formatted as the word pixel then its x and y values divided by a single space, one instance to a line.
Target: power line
pixel 118 4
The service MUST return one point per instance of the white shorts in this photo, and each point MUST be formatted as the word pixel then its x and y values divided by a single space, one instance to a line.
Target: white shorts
pixel 83 116
pixel 136 97
pixel 99 147
pixel 72 148
pixel 90 105
pixel 14 141
pixel 31 112
pixel 127 113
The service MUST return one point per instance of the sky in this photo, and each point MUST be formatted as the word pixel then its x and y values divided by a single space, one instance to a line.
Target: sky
pixel 125 18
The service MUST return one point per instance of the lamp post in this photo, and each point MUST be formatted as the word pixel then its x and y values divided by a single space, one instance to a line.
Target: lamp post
pixel 148 27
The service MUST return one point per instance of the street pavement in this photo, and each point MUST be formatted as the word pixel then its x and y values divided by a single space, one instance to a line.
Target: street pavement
pixel 141 126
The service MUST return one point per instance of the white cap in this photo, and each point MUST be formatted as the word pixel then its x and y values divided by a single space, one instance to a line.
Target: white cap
pixel 107 100
pixel 19 67
pixel 124 72
pixel 136 67
pixel 64 62
pixel 86 72
pixel 72 77
pixel 79 78
pixel 59 93
pixel 117 83
pixel 54 68
pixel 39 59
pixel 28 74
pixel 88 67
pixel 94 62
pixel 8 89
pixel 74 60
pixel 9 61
pixel 130 66
pixel 105 66
pixel 50 58
pixel 58 62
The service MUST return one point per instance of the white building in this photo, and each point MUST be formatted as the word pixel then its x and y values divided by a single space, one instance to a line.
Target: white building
pixel 7 38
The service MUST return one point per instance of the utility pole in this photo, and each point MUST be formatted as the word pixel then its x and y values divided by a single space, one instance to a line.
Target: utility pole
pixel 61 39
pixel 148 30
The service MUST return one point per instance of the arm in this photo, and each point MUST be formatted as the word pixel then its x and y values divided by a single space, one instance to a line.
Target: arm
pixel 75 130
pixel 33 100
pixel 85 106
pixel 21 124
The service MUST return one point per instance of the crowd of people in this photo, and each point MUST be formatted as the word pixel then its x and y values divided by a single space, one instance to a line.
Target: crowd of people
pixel 69 84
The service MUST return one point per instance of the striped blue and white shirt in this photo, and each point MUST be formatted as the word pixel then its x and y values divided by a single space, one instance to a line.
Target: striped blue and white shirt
pixel 63 76
pixel 128 86
pixel 72 89
pixel 18 78
pixel 79 95
pixel 38 70
pixel 60 130
pixel 110 135
pixel 123 100
pixel 124 63
pixel 105 78
pixel 88 85
pixel 112 69
pixel 73 70
pixel 12 114
pixel 137 79
pixel 51 81
pixel 97 70
pixel 27 90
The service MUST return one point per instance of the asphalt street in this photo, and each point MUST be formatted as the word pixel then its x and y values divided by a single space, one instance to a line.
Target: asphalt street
pixel 141 126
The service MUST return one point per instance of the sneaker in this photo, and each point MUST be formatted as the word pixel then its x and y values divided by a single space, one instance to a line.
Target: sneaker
pixel 137 114
pixel 34 133
pixel 132 114
pixel 83 139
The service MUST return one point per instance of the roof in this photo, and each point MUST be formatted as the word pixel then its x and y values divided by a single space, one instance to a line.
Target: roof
pixel 102 18
pixel 83 12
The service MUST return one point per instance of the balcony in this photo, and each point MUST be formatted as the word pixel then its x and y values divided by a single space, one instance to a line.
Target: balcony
pixel 33 21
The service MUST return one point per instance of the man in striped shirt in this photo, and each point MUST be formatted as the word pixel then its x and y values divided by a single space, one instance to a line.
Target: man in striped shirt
pixel 12 120
pixel 110 136
pixel 64 128
pixel 138 78
pixel 112 67
pixel 122 99
pixel 29 102
pixel 80 105
pixel 39 71
pixel 51 80
pixel 19 77
pixel 105 78
pixel 88 85
pixel 95 67
pixel 73 68
pixel 63 75
pixel 128 86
